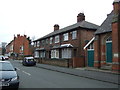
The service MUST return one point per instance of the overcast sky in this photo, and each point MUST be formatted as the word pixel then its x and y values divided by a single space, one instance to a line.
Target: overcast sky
pixel 36 18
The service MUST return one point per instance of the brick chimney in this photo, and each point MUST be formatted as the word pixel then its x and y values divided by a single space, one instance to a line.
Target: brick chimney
pixel 56 27
pixel 25 36
pixel 18 35
pixel 80 17
pixel 116 6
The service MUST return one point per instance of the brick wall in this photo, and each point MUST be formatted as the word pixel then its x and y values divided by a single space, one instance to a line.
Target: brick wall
pixel 22 41
pixel 56 62
pixel 100 49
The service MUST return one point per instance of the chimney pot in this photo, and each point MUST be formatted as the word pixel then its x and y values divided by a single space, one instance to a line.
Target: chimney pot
pixel 80 17
pixel 56 27
pixel 18 35
pixel 25 36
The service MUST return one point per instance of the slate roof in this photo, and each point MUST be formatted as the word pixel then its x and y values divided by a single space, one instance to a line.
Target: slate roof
pixel 106 26
pixel 83 24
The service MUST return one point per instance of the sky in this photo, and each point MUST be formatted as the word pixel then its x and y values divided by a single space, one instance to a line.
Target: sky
pixel 36 18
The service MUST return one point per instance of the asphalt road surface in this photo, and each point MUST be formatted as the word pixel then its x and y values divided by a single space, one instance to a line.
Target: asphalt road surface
pixel 34 77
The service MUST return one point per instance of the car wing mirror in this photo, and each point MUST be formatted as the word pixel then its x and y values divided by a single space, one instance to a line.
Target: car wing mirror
pixel 15 69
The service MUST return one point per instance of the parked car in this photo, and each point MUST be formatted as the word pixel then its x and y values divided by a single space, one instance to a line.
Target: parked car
pixel 8 76
pixel 29 61
pixel 2 58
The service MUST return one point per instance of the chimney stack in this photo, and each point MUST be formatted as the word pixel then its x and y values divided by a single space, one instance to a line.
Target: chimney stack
pixel 56 27
pixel 18 35
pixel 116 6
pixel 80 17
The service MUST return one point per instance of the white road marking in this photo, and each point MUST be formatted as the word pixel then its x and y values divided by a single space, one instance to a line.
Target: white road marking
pixel 26 73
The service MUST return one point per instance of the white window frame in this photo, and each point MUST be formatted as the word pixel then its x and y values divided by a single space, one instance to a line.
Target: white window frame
pixel 36 54
pixel 57 39
pixel 54 53
pixel 42 54
pixel 74 34
pixel 35 44
pixel 51 40
pixel 65 37
pixel 38 43
pixel 66 53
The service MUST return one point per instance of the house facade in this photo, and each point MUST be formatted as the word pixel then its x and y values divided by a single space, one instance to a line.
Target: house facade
pixel 103 51
pixel 9 48
pixel 64 46
pixel 20 46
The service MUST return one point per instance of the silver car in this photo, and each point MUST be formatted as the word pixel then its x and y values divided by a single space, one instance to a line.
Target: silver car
pixel 8 75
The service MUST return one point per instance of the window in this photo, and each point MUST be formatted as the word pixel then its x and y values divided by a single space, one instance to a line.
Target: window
pixel 36 54
pixel 46 41
pixel 91 46
pixel 43 42
pixel 42 54
pixel 109 39
pixel 38 43
pixel 66 53
pixel 51 40
pixel 21 48
pixel 11 48
pixel 34 44
pixel 57 39
pixel 74 34
pixel 65 36
pixel 54 53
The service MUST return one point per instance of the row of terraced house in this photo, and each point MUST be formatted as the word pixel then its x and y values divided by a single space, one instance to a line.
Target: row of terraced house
pixel 83 44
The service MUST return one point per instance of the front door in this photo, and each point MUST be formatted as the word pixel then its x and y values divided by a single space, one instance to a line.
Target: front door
pixel 91 58
pixel 109 51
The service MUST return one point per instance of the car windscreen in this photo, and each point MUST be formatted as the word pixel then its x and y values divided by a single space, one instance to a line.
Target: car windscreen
pixel 27 60
pixel 6 66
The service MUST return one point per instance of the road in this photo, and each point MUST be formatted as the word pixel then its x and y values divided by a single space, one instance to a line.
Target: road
pixel 34 77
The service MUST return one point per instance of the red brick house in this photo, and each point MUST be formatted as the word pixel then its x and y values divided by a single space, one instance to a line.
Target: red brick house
pixel 9 48
pixel 103 51
pixel 64 46
pixel 20 46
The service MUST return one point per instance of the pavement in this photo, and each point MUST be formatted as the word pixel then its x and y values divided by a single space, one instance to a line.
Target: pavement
pixel 91 73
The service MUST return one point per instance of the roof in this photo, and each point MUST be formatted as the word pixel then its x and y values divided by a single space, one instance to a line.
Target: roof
pixel 83 24
pixel 116 0
pixel 106 25
pixel 29 58
pixel 66 45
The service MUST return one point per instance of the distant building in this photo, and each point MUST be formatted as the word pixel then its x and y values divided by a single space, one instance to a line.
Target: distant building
pixel 9 48
pixel 2 48
pixel 3 44
pixel 20 46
